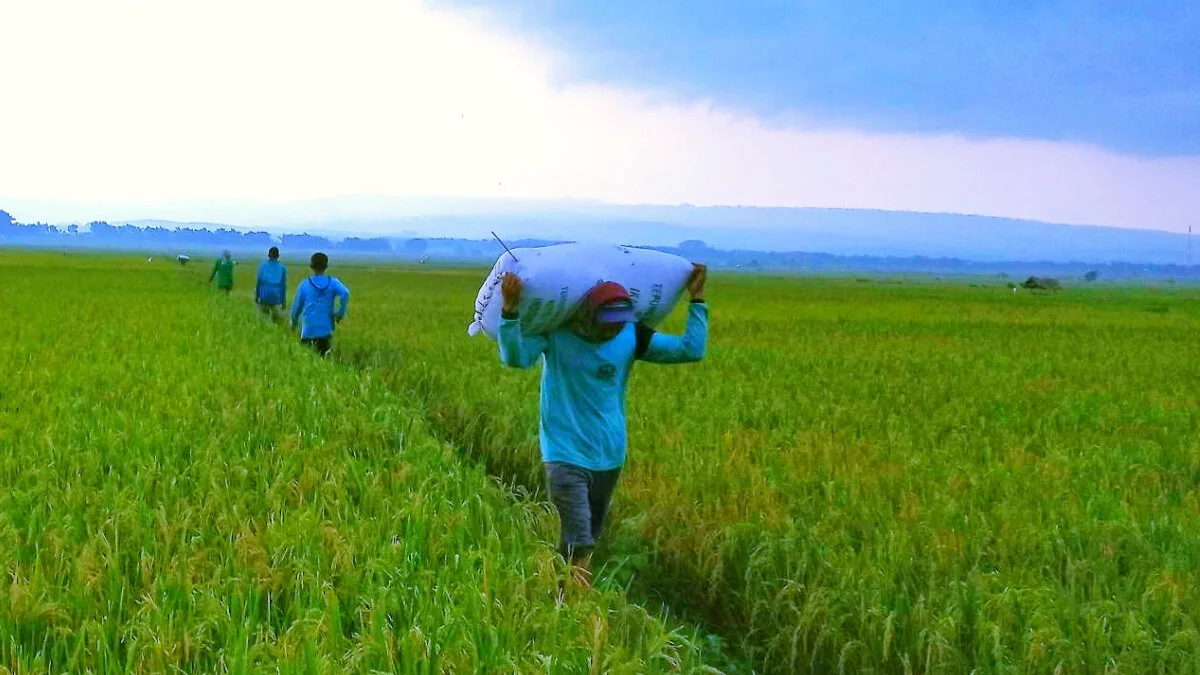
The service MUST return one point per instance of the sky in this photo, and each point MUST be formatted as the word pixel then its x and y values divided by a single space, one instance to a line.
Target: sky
pixel 1071 112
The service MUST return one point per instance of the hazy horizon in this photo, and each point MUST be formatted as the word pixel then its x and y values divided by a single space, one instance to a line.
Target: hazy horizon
pixel 851 232
pixel 340 212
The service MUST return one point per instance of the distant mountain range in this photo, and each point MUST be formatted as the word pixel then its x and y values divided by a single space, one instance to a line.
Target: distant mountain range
pixel 841 232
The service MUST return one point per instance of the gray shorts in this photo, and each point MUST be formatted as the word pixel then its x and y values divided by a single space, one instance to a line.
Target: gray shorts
pixel 582 497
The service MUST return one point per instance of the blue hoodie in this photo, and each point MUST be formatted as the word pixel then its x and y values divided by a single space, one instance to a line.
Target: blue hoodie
pixel 583 383
pixel 315 299
pixel 271 287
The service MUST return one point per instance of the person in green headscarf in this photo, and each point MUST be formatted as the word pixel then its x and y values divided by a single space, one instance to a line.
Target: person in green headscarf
pixel 223 272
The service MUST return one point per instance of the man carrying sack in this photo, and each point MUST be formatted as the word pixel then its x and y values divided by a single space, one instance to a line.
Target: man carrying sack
pixel 586 368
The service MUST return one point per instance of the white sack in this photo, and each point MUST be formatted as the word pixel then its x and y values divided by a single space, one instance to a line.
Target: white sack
pixel 558 277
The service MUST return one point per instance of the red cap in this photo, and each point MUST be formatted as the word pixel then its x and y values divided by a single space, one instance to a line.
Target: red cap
pixel 605 293
pixel 611 303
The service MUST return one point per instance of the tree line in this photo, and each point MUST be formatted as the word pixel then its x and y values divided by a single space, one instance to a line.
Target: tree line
pixel 102 233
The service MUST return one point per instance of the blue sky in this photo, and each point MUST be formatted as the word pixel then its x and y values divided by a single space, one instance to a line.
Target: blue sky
pixel 1082 113
pixel 1124 75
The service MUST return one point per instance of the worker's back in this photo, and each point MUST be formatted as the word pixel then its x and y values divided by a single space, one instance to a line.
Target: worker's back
pixel 223 270
pixel 314 305
pixel 272 283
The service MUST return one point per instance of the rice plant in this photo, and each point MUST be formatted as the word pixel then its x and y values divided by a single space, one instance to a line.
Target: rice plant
pixel 183 488
pixel 883 477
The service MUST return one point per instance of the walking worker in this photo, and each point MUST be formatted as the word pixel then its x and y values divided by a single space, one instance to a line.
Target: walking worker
pixel 314 302
pixel 586 366
pixel 223 271
pixel 270 291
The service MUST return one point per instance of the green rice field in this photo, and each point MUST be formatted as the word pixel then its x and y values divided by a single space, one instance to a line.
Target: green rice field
pixel 885 476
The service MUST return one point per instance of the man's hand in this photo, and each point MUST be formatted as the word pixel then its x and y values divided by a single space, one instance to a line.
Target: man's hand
pixel 511 287
pixel 695 284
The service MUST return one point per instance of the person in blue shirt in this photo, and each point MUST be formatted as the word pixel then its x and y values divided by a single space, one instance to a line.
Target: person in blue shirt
pixel 270 291
pixel 585 369
pixel 315 301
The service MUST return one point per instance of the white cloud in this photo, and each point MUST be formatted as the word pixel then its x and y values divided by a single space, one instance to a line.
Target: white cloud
pixel 130 100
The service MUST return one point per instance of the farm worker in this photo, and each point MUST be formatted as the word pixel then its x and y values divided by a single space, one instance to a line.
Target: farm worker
pixel 270 291
pixel 586 366
pixel 315 301
pixel 223 271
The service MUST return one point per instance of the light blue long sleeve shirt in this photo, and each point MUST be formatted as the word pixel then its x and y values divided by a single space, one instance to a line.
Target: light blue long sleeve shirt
pixel 315 302
pixel 583 383
pixel 271 286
